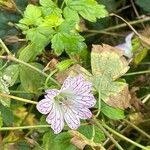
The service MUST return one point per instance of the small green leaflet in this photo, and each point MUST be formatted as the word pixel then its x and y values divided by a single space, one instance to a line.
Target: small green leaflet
pixel 108 64
pixel 32 15
pixel 49 7
pixel 72 43
pixel 88 9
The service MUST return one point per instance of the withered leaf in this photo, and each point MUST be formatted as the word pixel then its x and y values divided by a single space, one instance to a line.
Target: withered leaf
pixel 108 64
pixel 108 60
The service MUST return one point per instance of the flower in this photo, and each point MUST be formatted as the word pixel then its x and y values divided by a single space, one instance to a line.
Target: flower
pixel 69 104
pixel 127 46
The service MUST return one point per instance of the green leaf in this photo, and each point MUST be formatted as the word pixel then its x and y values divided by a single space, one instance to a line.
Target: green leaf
pixel 72 43
pixel 144 4
pixel 140 56
pixel 29 53
pixel 11 73
pixel 4 89
pixel 87 131
pixel 67 26
pixel 49 7
pixel 57 142
pixel 32 15
pixel 51 21
pixel 31 80
pixel 71 14
pixel 39 34
pixel 65 64
pixel 88 9
pixel 7 115
pixel 112 113
pixel 108 64
pixel 48 140
pixel 1 121
pixel 62 141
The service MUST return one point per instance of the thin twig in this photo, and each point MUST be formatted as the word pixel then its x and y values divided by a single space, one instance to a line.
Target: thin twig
pixel 138 129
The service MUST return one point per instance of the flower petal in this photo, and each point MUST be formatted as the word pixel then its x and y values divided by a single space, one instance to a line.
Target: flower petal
pixel 127 46
pixel 71 118
pixel 55 118
pixel 52 92
pixel 85 100
pixel 44 106
pixel 76 85
pixel 83 113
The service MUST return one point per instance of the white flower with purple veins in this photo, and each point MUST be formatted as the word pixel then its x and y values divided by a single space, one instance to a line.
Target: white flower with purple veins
pixel 127 46
pixel 69 104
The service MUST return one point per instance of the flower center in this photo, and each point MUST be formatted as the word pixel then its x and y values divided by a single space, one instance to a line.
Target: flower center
pixel 61 98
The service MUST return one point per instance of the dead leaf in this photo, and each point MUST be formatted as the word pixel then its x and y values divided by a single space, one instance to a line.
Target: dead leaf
pixel 73 71
pixel 78 142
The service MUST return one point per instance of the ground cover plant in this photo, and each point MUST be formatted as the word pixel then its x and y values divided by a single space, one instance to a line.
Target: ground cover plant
pixel 74 74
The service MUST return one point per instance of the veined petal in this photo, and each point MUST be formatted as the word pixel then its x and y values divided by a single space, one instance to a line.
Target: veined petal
pixel 55 118
pixel 52 93
pixel 71 118
pixel 76 85
pixel 85 100
pixel 44 106
pixel 82 112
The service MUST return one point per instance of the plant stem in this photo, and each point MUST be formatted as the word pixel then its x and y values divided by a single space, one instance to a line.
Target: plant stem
pixel 18 98
pixel 23 127
pixel 143 38
pixel 110 136
pixel 62 5
pixel 120 26
pixel 138 129
pixel 29 127
pixel 12 58
pixel 5 48
pixel 49 77
pixel 99 104
pixel 137 73
pixel 123 137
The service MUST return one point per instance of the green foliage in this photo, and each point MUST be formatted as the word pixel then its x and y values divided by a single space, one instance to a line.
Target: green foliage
pixel 4 89
pixel 31 80
pixel 1 121
pixel 46 24
pixel 63 65
pixel 12 73
pixel 7 115
pixel 144 4
pixel 112 113
pixel 49 7
pixel 57 142
pixel 87 131
pixel 88 9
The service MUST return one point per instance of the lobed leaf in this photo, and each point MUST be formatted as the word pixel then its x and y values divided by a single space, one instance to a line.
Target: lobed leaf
pixel 88 9
pixel 108 64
